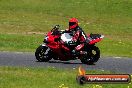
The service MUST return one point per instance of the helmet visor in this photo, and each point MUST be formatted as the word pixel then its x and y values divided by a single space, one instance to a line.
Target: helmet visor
pixel 72 23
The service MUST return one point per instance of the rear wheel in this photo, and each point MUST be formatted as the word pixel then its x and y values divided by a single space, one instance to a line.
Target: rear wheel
pixel 43 54
pixel 93 55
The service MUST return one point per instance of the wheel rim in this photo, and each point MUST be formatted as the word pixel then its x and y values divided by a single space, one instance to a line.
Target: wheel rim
pixel 43 54
pixel 92 56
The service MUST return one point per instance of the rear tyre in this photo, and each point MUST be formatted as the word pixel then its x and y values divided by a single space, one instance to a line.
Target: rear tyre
pixel 93 55
pixel 43 54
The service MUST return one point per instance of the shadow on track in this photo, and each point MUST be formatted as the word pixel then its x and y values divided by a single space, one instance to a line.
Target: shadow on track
pixel 65 62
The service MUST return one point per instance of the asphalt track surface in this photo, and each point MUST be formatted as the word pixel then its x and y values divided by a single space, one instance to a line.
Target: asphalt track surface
pixel 19 59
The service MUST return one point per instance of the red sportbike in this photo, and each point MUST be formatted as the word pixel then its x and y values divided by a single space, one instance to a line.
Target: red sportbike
pixel 58 45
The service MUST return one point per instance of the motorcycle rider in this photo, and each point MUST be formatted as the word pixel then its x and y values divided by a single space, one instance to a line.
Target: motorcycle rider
pixel 78 35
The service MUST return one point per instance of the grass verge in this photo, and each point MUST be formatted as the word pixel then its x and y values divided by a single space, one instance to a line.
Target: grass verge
pixel 113 18
pixel 17 77
pixel 29 43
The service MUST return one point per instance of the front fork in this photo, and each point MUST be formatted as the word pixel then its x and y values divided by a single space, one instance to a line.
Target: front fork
pixel 47 50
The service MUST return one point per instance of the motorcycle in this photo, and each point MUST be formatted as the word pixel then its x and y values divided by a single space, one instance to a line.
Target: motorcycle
pixel 58 45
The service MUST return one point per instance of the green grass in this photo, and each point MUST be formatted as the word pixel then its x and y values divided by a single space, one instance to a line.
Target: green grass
pixel 16 77
pixel 28 43
pixel 15 42
pixel 19 18
pixel 113 18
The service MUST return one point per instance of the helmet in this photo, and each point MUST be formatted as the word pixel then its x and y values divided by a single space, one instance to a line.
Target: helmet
pixel 73 23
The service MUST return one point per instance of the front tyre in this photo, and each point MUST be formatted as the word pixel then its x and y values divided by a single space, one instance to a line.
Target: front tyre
pixel 93 55
pixel 43 53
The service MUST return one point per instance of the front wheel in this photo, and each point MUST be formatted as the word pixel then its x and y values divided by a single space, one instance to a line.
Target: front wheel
pixel 43 54
pixel 93 55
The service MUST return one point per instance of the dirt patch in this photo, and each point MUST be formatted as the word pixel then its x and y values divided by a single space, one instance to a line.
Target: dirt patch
pixel 30 33
pixel 36 33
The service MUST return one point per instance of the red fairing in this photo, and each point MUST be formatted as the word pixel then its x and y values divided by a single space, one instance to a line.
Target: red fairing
pixel 95 41
pixel 64 47
pixel 51 39
pixel 56 46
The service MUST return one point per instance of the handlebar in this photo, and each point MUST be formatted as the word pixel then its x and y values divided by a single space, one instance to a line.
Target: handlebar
pixel 56 27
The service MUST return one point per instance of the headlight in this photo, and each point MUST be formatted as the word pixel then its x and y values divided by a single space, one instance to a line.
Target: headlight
pixel 46 39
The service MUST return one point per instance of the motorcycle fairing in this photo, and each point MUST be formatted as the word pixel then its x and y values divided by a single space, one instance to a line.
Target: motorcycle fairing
pixel 94 38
